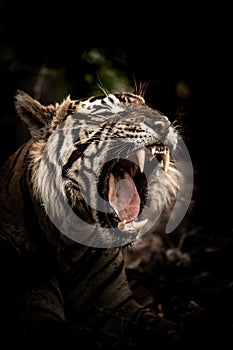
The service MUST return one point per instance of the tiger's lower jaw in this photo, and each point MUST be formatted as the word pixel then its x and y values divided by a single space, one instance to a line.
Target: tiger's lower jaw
pixel 131 226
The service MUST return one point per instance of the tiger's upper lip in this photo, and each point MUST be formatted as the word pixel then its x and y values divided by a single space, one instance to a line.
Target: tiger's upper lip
pixel 148 153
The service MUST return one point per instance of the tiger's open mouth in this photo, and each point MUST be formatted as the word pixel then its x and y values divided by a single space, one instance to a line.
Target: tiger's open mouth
pixel 127 184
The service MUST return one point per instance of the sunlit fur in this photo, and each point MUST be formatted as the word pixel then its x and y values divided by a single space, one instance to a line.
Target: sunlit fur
pixel 91 281
pixel 162 186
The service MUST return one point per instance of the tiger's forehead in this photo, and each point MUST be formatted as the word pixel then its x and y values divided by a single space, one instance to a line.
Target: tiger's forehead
pixel 108 104
pixel 115 108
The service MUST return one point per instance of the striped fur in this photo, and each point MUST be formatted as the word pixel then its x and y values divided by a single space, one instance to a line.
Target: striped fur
pixel 66 279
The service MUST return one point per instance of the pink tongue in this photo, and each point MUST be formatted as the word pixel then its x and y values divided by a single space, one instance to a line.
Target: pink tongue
pixel 123 197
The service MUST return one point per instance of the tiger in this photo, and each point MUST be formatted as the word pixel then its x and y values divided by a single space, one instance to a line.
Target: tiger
pixel 93 178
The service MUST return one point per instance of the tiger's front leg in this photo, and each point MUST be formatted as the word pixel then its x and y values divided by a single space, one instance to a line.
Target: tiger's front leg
pixel 97 297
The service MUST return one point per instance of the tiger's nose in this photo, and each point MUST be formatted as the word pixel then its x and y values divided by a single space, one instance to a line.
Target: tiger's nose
pixel 162 125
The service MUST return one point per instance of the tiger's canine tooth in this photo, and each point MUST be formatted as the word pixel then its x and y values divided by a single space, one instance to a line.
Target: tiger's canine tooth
pixel 139 224
pixel 166 160
pixel 153 150
pixel 141 156
pixel 121 224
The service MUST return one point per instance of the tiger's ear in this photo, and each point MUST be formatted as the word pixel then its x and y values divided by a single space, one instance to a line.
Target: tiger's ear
pixel 36 116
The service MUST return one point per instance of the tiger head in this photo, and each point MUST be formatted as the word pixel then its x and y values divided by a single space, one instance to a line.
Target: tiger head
pixel 101 167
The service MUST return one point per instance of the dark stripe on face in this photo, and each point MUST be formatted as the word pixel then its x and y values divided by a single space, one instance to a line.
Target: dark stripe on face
pixel 80 149
pixel 95 98
pixel 76 154
pixel 110 99
pixel 122 98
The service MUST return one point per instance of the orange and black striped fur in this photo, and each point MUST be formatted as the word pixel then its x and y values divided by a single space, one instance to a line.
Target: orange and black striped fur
pixel 58 271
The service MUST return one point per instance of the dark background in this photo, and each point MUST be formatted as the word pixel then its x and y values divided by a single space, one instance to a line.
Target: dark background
pixel 181 52
pixel 179 55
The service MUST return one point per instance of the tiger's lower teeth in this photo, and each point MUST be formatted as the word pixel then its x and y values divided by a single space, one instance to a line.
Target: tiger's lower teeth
pixel 134 225
pixel 122 224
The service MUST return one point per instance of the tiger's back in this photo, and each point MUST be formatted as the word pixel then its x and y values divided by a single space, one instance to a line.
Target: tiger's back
pixel 89 182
